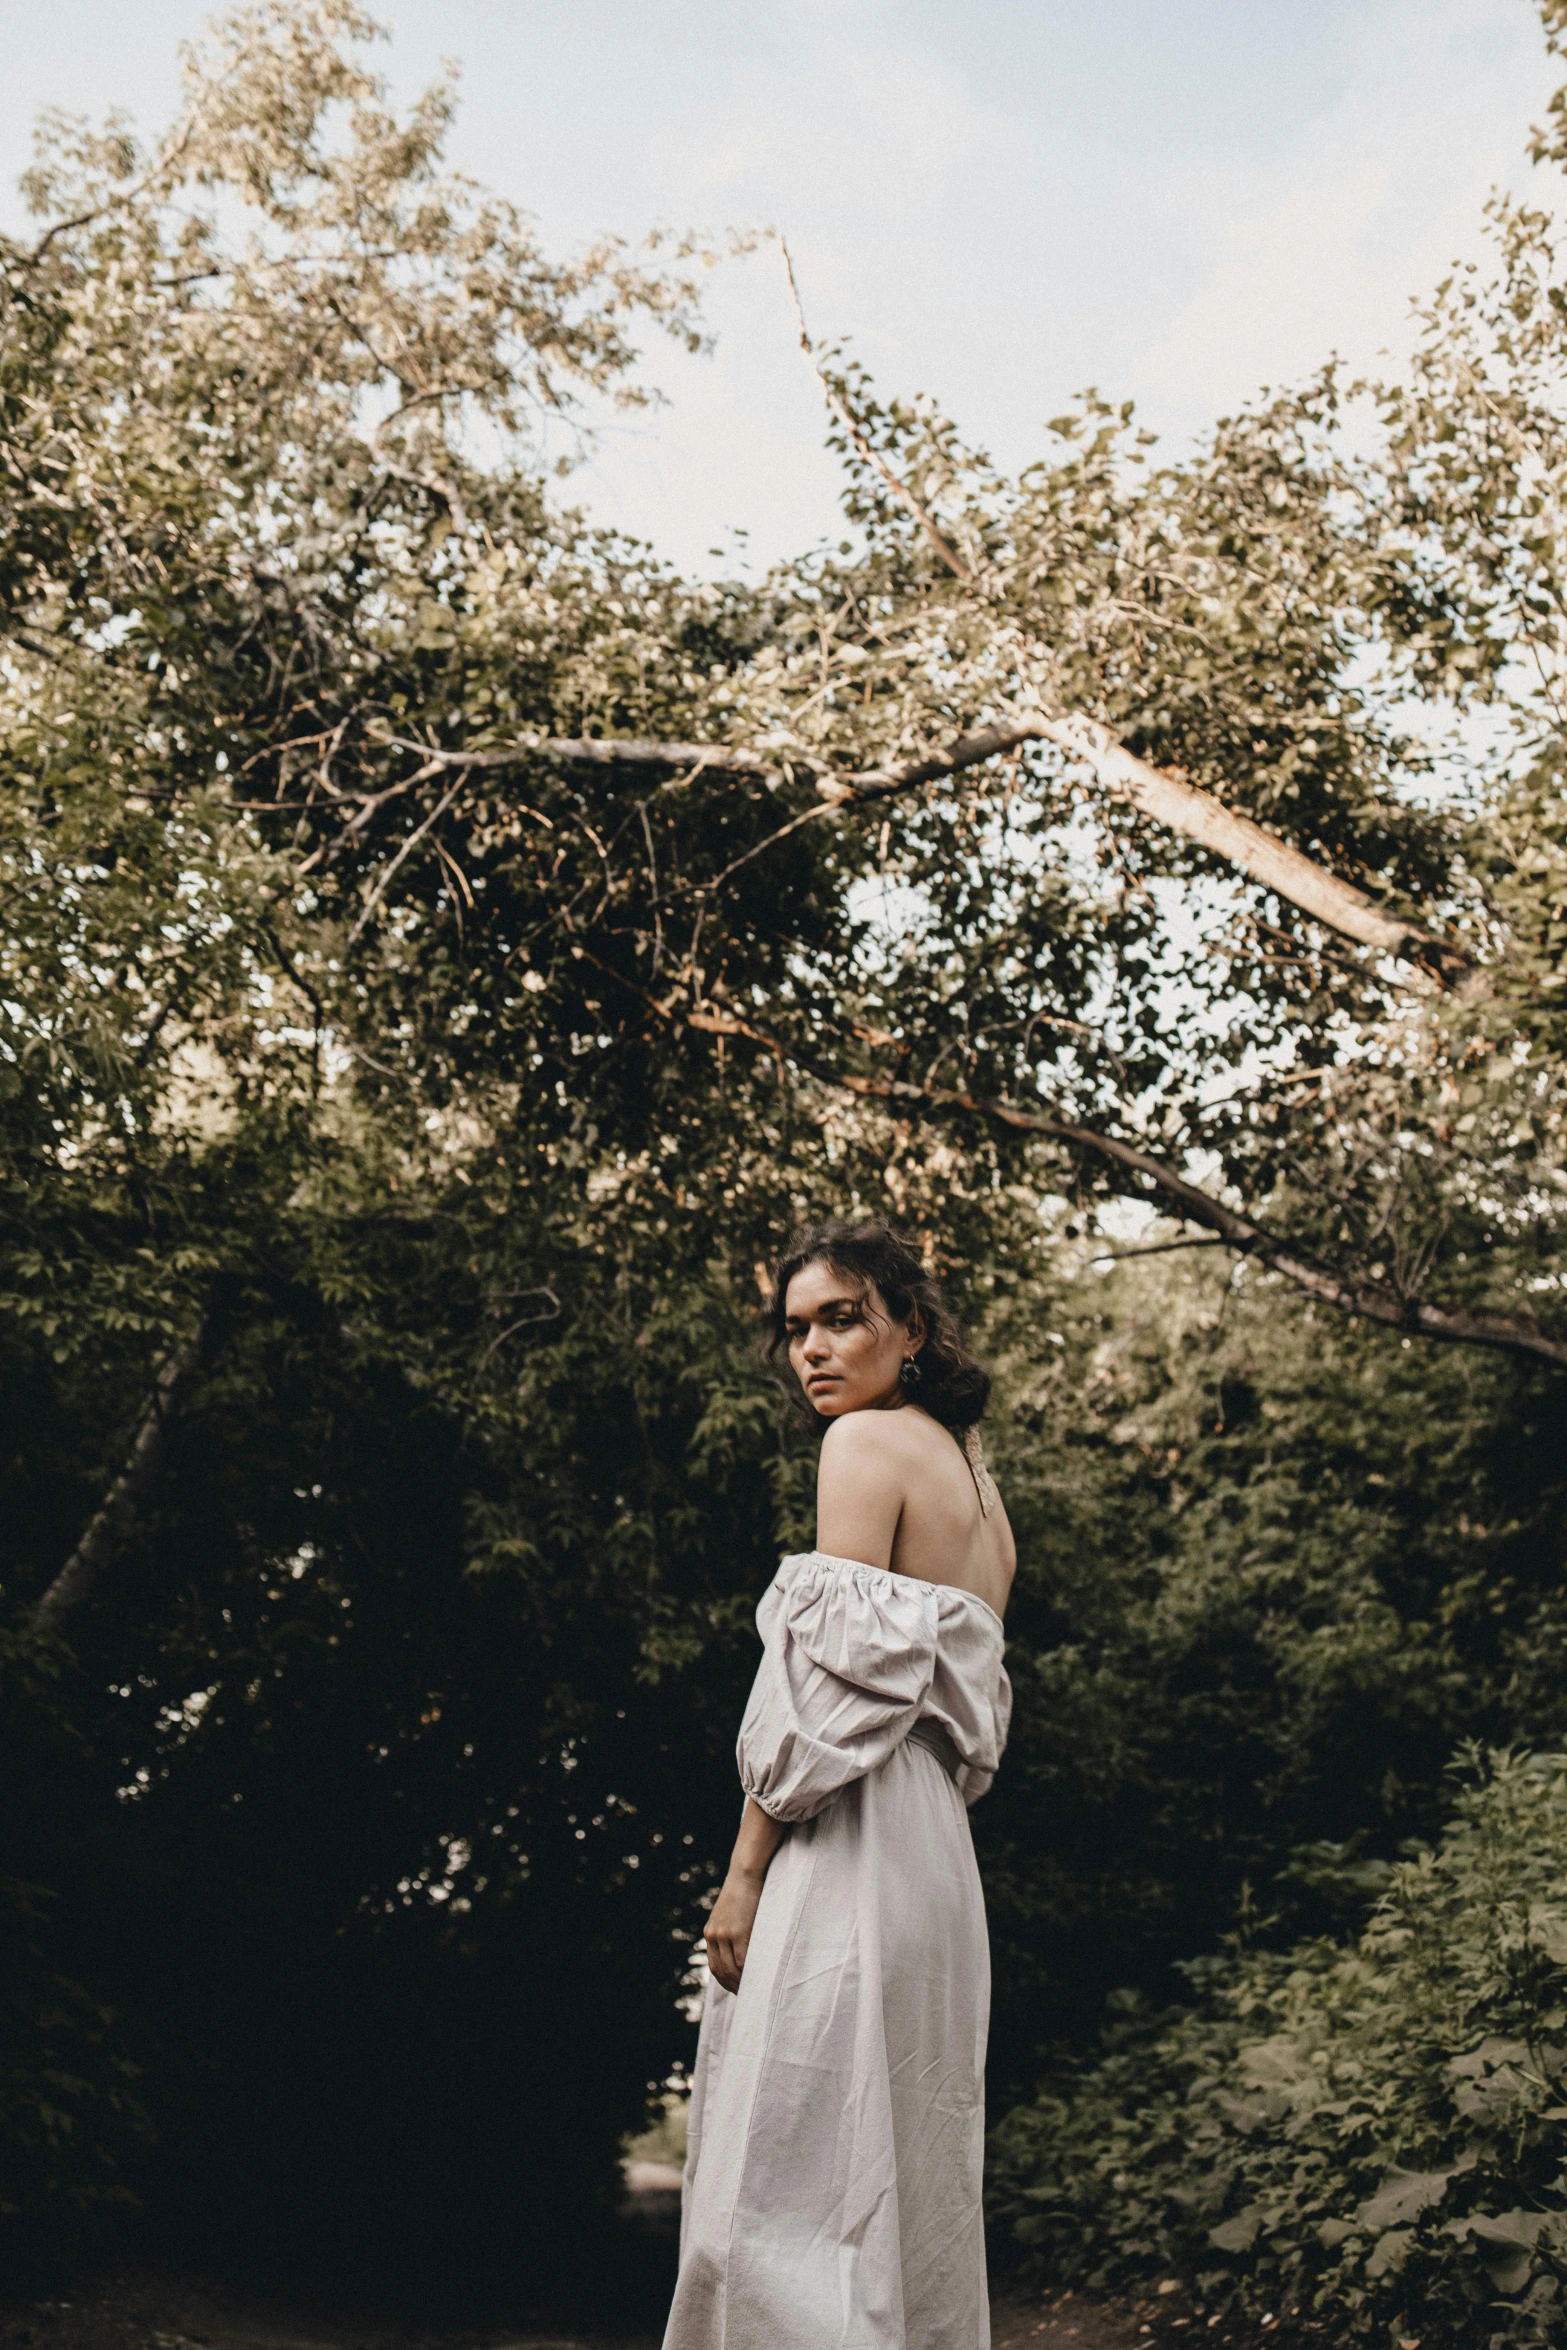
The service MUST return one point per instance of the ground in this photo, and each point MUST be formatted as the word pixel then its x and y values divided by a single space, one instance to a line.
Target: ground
pixel 161 2310
pixel 149 2311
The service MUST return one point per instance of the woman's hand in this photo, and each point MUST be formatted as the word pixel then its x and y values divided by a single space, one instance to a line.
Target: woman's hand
pixel 733 1914
pixel 728 1930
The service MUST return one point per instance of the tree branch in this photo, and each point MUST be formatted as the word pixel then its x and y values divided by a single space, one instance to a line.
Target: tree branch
pixel 852 426
pixel 407 849
pixel 141 1465
pixel 1262 856
pixel 598 751
pixel 1159 1248
pixel 1168 799
pixel 1172 801
pixel 1370 1301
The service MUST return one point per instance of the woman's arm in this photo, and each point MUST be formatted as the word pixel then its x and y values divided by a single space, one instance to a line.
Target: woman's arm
pixel 859 1495
pixel 728 1931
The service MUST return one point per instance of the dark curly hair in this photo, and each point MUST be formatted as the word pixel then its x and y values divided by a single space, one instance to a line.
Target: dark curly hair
pixel 953 1387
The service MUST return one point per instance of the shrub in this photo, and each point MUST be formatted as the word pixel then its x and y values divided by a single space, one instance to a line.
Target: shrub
pixel 1372 2134
pixel 73 2130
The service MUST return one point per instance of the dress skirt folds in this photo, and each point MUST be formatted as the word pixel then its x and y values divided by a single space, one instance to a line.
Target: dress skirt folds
pixel 832 2188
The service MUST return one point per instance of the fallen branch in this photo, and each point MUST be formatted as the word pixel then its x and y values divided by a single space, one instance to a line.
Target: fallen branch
pixel 1260 855
pixel 596 750
pixel 142 1463
pixel 1172 801
pixel 1370 1301
pixel 1167 798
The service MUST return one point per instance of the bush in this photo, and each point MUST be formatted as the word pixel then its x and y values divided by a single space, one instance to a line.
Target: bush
pixel 1373 2134
pixel 73 2131
pixel 1274 1574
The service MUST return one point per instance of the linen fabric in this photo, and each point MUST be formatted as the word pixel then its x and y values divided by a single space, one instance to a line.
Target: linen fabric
pixel 832 2183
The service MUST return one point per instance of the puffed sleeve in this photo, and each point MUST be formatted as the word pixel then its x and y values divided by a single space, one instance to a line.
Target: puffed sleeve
pixel 849 1653
pixel 986 1742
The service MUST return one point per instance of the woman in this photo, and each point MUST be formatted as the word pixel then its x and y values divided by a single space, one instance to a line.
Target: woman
pixel 832 2190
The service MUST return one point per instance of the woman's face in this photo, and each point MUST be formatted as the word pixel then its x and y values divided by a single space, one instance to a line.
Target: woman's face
pixel 844 1346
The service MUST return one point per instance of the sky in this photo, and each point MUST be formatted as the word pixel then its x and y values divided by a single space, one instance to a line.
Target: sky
pixel 997 201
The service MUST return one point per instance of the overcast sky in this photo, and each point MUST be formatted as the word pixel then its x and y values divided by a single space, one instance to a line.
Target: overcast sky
pixel 999 200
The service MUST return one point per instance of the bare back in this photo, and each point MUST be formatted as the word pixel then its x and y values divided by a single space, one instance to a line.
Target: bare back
pixel 895 1489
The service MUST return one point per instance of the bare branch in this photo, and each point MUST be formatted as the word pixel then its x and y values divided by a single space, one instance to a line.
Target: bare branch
pixel 1160 1248
pixel 407 849
pixel 852 427
pixel 368 802
pixel 596 750
pixel 985 742
pixel 1262 856
pixel 1371 1301
pixel 551 1313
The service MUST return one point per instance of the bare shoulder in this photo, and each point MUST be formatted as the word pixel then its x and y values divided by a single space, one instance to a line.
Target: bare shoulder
pixel 903 1448
pixel 862 1435
pixel 862 1484
pixel 868 1451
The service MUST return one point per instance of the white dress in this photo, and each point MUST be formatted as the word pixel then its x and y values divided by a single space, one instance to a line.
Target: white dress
pixel 832 2187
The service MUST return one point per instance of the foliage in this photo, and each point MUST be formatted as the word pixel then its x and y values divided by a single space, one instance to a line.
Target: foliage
pixel 1373 2134
pixel 1272 1575
pixel 74 2125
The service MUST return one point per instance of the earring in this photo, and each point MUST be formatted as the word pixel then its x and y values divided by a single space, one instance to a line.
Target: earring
pixel 910 1375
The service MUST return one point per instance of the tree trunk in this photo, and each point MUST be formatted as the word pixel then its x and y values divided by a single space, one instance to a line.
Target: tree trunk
pixel 137 1473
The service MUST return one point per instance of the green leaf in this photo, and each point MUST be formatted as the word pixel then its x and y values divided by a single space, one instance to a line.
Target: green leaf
pixel 1237 2234
pixel 1403 2195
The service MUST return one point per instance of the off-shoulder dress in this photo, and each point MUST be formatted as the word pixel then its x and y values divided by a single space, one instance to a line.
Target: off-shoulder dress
pixel 832 2186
